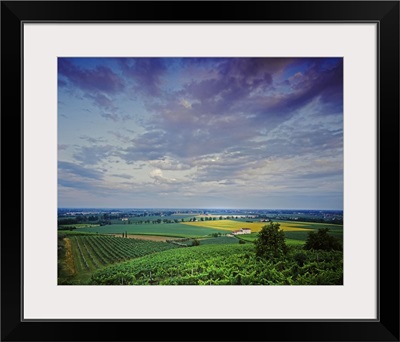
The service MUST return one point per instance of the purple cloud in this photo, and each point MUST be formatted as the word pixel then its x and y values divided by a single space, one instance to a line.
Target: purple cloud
pixel 98 78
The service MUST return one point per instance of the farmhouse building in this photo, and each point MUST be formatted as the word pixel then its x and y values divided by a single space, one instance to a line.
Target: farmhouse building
pixel 242 231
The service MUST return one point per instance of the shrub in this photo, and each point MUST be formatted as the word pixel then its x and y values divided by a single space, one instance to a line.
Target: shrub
pixel 323 241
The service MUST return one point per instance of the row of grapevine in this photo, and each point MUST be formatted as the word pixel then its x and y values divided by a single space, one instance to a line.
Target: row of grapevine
pixel 225 265
pixel 95 252
pixel 82 258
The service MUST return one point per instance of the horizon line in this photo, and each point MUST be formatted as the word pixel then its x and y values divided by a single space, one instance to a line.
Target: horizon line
pixel 198 208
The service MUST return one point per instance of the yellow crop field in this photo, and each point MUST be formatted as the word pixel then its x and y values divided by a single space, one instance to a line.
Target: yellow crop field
pixel 229 225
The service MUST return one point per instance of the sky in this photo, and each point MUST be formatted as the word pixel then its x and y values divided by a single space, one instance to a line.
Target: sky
pixel 251 133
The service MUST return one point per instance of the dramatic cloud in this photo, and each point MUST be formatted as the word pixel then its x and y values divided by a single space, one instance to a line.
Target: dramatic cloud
pixel 214 130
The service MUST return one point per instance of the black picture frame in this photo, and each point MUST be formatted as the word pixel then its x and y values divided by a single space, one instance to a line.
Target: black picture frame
pixel 15 328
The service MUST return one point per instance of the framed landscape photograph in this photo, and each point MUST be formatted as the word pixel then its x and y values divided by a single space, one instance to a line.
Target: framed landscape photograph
pixel 234 165
pixel 201 168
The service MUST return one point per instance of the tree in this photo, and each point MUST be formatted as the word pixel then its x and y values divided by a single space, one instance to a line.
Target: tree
pixel 195 242
pixel 271 241
pixel 322 240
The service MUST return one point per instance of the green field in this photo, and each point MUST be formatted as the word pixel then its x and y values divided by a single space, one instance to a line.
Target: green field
pixel 221 240
pixel 165 229
pixel 295 240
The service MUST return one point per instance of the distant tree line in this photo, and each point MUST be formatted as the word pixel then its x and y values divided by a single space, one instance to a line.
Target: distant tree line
pixel 66 228
pixel 68 221
pixel 334 220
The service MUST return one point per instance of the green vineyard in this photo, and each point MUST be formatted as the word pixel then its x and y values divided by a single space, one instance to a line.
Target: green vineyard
pixel 224 265
pixel 91 253
pixel 90 258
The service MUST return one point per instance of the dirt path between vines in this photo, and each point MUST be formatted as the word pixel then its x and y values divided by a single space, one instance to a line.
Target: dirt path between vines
pixel 69 258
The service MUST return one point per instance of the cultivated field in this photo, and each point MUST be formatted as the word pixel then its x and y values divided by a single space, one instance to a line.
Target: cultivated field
pixel 196 253
pixel 230 225
pixel 163 229
pixel 148 237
